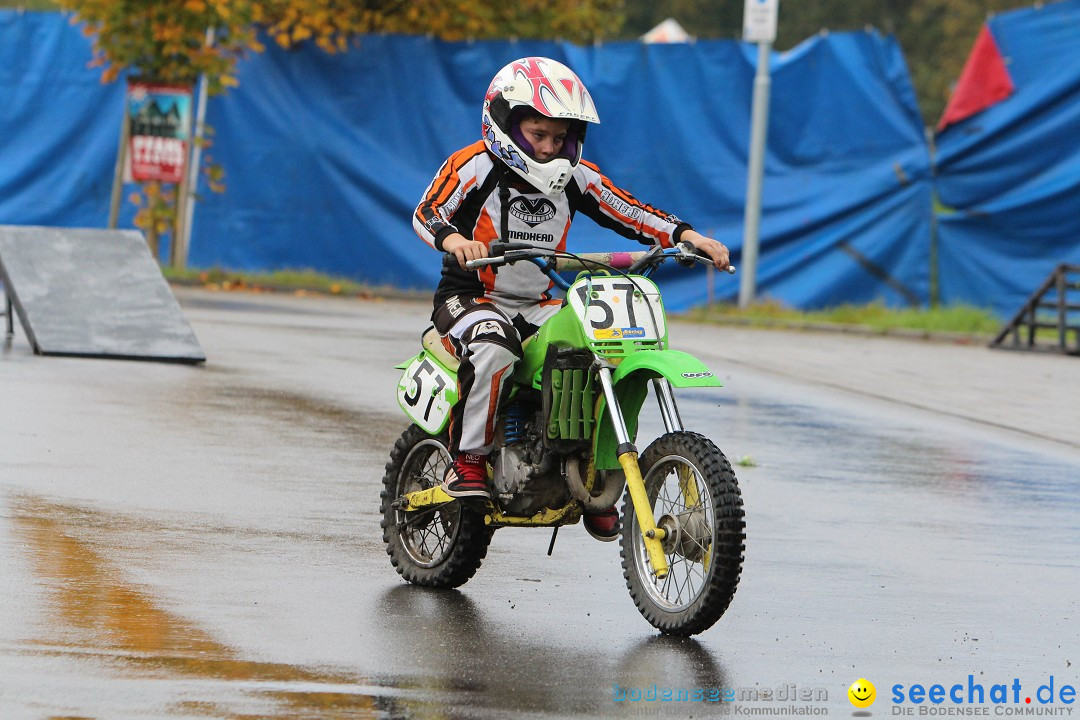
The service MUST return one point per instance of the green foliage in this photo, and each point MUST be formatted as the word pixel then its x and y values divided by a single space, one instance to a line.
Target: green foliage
pixel 29 4
pixel 580 21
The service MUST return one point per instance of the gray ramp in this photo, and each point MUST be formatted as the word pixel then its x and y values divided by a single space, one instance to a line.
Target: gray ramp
pixel 93 293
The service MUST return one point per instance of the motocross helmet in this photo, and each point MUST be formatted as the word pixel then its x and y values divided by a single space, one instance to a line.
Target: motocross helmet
pixel 537 85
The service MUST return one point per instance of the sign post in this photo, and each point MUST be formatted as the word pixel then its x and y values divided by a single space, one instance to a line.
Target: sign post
pixel 119 173
pixel 759 26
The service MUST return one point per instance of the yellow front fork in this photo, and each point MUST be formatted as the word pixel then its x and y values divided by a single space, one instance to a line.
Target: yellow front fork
pixel 628 459
pixel 651 534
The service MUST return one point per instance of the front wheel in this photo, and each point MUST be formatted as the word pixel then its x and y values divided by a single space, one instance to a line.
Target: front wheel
pixel 696 500
pixel 439 547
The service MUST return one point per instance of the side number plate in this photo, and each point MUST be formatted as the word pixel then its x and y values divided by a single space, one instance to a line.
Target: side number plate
pixel 426 393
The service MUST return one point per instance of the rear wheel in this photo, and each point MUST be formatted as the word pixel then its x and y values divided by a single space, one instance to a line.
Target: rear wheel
pixel 436 547
pixel 696 500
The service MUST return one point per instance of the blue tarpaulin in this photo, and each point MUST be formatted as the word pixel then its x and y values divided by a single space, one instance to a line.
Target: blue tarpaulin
pixel 327 155
pixel 59 126
pixel 1010 175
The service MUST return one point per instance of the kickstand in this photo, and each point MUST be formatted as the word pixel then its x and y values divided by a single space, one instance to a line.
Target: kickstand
pixel 551 546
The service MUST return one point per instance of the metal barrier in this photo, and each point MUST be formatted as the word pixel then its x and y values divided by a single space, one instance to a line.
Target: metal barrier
pixel 1048 310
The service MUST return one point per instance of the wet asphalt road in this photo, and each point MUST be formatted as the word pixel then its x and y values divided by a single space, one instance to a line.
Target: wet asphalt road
pixel 203 542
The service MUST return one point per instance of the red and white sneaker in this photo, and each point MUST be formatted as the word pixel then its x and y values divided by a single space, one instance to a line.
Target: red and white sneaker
pixel 467 477
pixel 603 525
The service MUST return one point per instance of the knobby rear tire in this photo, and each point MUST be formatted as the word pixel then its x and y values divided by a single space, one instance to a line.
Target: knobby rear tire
pixel 440 548
pixel 694 596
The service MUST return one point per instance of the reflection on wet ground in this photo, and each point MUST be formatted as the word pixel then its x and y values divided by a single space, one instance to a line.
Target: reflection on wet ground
pixel 467 655
pixel 96 615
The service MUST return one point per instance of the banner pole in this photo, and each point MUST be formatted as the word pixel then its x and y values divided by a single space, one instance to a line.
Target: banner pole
pixel 118 171
pixel 184 241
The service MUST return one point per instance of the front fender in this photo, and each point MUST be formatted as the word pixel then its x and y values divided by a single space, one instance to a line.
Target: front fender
pixel 681 369
pixel 631 381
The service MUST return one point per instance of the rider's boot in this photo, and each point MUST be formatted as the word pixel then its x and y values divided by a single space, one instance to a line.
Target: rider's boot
pixel 603 525
pixel 467 477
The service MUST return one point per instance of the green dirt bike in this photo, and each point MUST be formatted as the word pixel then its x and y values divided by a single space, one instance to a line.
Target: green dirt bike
pixel 565 445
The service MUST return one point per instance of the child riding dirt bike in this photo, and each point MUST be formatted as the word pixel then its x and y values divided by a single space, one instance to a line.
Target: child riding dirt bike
pixel 523 407
pixel 522 183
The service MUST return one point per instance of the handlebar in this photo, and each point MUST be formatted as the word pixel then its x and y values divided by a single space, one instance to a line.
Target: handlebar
pixel 633 262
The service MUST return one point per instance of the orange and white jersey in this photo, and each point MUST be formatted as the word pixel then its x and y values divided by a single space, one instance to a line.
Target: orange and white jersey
pixel 464 198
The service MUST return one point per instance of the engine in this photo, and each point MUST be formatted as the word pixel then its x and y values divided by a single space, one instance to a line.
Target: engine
pixel 527 470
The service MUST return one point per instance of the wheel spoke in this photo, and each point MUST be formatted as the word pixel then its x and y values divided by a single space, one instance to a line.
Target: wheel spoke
pixel 422 542
pixel 672 571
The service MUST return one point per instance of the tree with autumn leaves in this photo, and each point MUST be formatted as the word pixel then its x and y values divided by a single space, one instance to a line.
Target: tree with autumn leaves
pixel 166 41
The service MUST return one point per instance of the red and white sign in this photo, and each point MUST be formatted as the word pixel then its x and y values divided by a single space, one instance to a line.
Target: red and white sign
pixel 159 118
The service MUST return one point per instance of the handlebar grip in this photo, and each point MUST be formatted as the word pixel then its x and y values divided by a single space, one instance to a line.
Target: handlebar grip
pixel 482 262
pixel 450 260
pixel 495 250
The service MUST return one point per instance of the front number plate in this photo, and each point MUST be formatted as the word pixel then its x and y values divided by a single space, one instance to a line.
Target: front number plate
pixel 618 308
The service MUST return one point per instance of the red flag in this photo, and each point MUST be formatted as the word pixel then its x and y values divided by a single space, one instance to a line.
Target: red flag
pixel 983 82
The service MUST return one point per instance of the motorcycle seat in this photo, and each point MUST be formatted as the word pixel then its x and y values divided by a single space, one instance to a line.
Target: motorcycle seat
pixel 432 342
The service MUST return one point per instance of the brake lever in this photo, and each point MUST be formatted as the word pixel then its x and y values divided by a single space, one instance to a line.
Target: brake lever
pixel 688 255
pixel 730 269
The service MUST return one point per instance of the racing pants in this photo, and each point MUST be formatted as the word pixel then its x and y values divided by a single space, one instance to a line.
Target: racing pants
pixel 486 336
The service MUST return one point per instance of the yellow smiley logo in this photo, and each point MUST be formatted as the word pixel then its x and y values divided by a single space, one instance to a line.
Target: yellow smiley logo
pixel 862 693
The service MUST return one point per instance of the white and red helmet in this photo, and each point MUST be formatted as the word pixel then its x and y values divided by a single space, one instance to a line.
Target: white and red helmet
pixel 551 89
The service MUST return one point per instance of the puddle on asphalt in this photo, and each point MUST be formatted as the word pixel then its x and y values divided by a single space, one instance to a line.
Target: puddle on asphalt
pixel 94 614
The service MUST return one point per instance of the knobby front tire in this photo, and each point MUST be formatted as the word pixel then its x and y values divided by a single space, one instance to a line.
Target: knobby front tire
pixel 440 547
pixel 696 498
